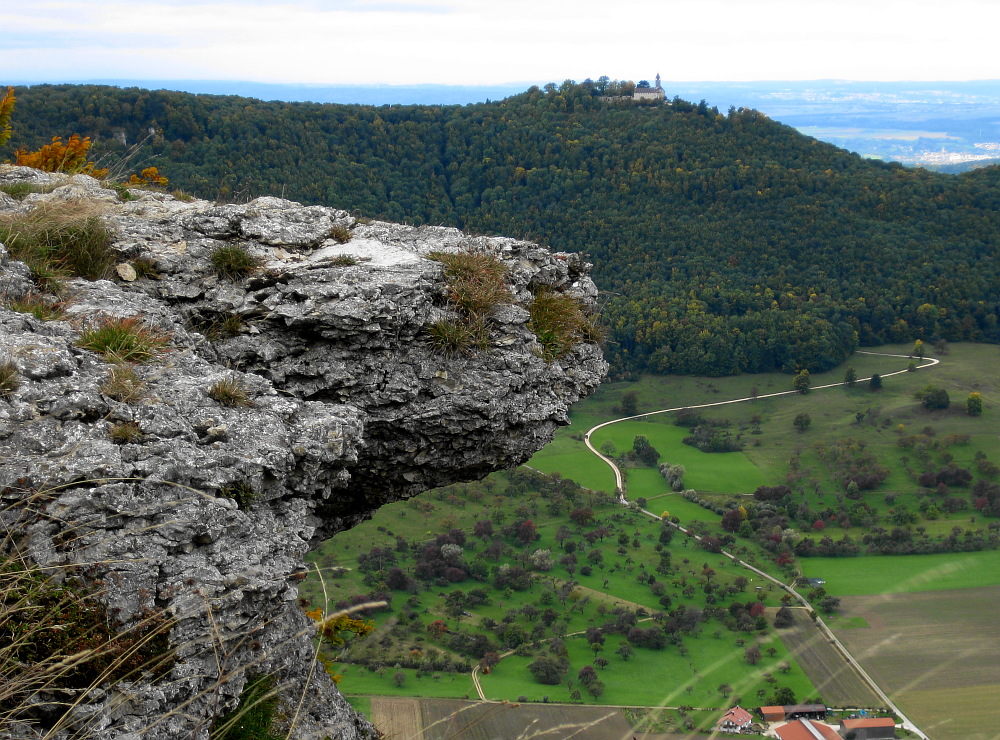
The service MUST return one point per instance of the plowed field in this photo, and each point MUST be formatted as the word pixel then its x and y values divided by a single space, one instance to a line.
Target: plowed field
pixel 936 654
pixel 452 719
pixel 839 685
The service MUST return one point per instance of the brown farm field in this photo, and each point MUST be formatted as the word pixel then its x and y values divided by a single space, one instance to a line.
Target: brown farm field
pixel 935 653
pixel 402 718
pixel 836 680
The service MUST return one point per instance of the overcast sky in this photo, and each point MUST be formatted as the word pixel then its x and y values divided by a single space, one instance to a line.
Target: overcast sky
pixel 498 41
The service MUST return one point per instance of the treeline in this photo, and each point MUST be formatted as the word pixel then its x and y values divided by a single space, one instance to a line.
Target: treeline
pixel 727 242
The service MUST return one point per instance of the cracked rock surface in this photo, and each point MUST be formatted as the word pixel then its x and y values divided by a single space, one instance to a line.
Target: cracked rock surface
pixel 207 514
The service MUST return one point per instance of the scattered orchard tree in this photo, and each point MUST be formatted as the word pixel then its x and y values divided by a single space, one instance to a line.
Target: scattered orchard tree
pixel 802 422
pixel 801 382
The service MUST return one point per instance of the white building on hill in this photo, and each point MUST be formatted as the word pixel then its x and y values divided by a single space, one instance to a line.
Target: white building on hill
pixel 650 93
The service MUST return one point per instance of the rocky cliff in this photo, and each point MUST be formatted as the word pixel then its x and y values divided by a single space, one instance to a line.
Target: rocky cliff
pixel 286 403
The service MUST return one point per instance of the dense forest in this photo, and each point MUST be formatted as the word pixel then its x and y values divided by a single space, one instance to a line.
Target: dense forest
pixel 726 242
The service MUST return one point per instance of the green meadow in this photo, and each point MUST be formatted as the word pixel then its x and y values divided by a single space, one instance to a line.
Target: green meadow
pixel 709 663
pixel 889 574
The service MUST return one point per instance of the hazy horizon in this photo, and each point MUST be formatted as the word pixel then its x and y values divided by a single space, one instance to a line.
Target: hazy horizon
pixel 473 42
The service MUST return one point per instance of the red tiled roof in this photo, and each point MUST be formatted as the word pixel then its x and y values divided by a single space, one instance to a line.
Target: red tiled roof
pixel 853 724
pixel 804 729
pixel 737 715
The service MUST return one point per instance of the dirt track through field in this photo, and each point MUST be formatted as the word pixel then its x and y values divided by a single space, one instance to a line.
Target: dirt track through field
pixel 835 679
pixel 398 718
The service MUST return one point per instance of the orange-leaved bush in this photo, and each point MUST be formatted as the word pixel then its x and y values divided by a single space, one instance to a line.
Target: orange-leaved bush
pixel 6 110
pixel 149 176
pixel 69 157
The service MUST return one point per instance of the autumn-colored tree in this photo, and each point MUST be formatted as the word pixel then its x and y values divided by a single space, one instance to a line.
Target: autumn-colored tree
pixel 6 110
pixel 974 404
pixel 149 177
pixel 69 157
pixel 437 628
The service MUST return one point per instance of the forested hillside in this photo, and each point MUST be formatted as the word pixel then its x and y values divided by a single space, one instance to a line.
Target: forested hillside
pixel 727 242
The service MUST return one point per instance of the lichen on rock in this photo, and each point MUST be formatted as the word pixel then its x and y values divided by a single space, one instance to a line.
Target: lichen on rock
pixel 349 406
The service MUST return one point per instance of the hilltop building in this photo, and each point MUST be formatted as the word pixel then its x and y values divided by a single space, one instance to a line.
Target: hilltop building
pixel 650 93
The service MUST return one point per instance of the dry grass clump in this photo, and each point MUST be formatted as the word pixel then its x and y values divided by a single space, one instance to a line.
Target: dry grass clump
pixel 125 432
pixel 229 392
pixel 560 321
pixel 39 305
pixel 10 378
pixel 452 337
pixel 124 385
pixel 124 340
pixel 59 240
pixel 476 282
pixel 340 234
pixel 59 645
pixel 234 262
pixel 145 268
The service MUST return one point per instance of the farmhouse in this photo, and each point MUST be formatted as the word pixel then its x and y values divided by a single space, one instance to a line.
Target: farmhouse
pixel 806 729
pixel 736 719
pixel 869 728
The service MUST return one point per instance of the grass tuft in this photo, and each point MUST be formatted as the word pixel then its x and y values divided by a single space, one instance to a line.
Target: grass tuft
pixel 344 260
pixel 124 340
pixel 559 321
pixel 145 268
pixel 10 378
pixel 452 337
pixel 476 282
pixel 124 385
pixel 60 240
pixel 340 234
pixel 59 645
pixel 234 262
pixel 42 307
pixel 125 432
pixel 21 190
pixel 229 392
pixel 216 327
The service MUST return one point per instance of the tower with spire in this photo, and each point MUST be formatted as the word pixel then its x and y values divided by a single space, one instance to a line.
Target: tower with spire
pixel 650 93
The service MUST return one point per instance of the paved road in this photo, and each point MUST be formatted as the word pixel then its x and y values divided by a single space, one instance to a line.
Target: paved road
pixel 623 499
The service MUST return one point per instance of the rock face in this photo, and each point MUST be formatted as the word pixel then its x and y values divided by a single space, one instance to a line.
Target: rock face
pixel 206 514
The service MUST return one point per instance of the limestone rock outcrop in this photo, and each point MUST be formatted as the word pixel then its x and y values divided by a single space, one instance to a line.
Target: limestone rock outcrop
pixel 206 512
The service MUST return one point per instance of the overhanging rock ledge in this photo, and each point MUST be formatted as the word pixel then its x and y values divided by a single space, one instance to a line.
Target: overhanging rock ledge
pixel 351 407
